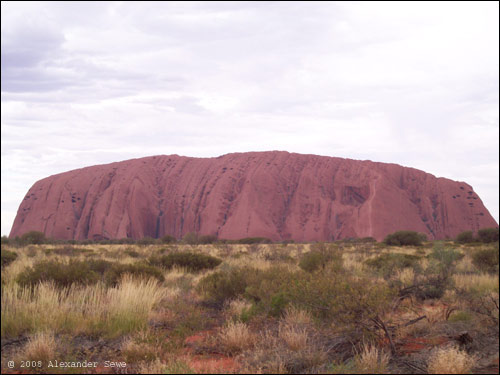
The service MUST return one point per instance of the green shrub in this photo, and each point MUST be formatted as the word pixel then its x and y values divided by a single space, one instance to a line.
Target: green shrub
pixel 388 263
pixel 8 257
pixel 486 259
pixel 405 238
pixel 266 288
pixel 33 237
pixel 319 256
pixel 356 240
pixel 488 235
pixel 168 239
pixel 69 250
pixel 350 302
pixel 100 266
pixel 84 272
pixel 207 239
pixel 254 240
pixel 465 237
pixel 434 287
pixel 190 238
pixel 5 240
pixel 193 262
pixel 145 241
pixel 123 241
pixel 278 304
pixel 62 274
pixel 225 285
pixel 113 275
pixel 445 256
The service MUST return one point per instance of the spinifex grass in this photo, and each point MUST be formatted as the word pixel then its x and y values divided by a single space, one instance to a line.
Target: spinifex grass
pixel 79 309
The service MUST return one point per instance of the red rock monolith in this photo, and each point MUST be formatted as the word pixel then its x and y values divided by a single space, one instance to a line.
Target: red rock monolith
pixel 274 194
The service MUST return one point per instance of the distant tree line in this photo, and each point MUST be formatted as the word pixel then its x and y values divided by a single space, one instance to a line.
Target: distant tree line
pixel 399 238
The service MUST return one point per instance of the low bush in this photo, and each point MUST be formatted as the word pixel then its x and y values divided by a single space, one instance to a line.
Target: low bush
pixel 405 238
pixel 69 250
pixel 193 262
pixel 225 285
pixel 488 235
pixel 486 259
pixel 347 301
pixel 207 239
pixel 168 239
pixel 465 237
pixel 269 288
pixel 190 238
pixel 265 288
pixel 113 275
pixel 62 274
pixel 319 256
pixel 254 240
pixel 8 257
pixel 33 237
pixel 356 240
pixel 276 254
pixel 145 241
pixel 388 263
pixel 100 266
pixel 433 287
pixel 84 272
pixel 446 257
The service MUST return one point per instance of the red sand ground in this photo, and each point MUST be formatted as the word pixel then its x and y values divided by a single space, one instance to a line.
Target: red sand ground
pixel 207 364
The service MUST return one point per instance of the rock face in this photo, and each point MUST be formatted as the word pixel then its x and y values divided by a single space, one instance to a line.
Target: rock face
pixel 271 194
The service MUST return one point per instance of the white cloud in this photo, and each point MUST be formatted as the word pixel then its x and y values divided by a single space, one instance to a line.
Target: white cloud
pixel 90 83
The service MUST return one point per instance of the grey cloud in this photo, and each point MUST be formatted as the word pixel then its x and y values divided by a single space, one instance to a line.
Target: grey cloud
pixel 95 82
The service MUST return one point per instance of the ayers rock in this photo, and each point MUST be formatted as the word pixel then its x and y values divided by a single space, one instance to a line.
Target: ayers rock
pixel 275 194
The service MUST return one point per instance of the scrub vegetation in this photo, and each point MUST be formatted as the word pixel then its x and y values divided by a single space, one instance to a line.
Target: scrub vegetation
pixel 200 305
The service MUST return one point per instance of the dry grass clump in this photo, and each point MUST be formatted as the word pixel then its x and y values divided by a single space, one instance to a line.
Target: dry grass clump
pixel 465 265
pixel 272 355
pixel 450 360
pixel 40 347
pixel 154 367
pixel 236 337
pixel 295 337
pixel 482 284
pixel 93 309
pixel 174 274
pixel 256 262
pixel 172 293
pixel 353 263
pixel 137 351
pixel 296 316
pixel 371 360
pixel 406 276
pixel 10 273
pixel 237 307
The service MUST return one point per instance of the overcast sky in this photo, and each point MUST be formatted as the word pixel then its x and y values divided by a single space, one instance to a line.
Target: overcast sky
pixel 90 83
